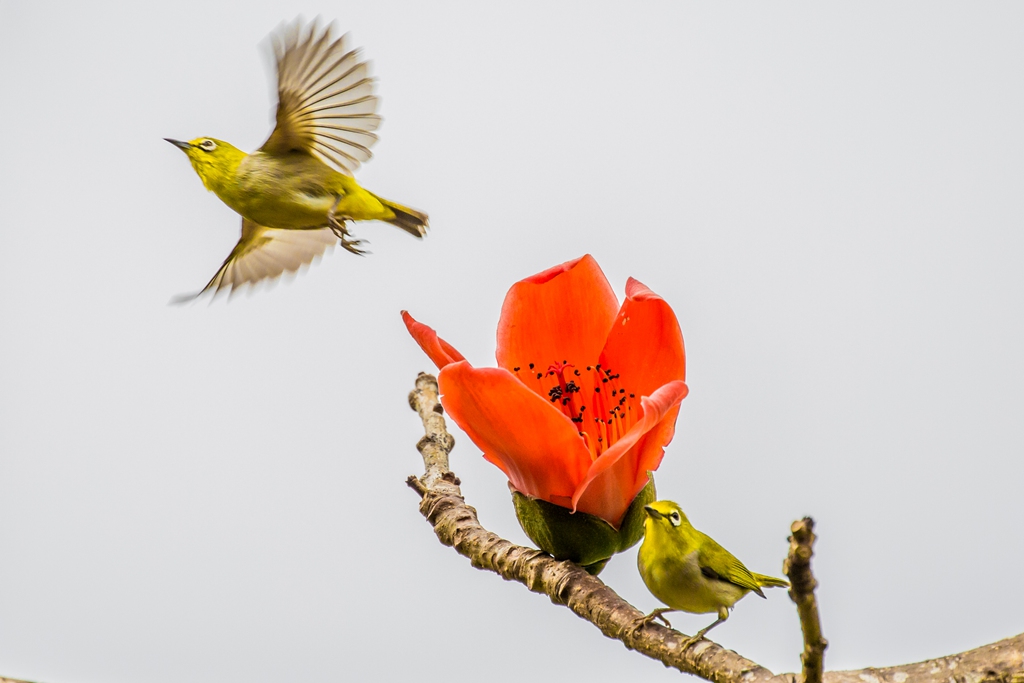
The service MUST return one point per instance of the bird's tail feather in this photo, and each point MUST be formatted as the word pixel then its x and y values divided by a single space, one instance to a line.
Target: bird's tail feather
pixel 770 581
pixel 412 221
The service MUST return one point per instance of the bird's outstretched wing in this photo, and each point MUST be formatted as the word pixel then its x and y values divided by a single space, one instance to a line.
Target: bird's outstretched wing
pixel 325 101
pixel 264 253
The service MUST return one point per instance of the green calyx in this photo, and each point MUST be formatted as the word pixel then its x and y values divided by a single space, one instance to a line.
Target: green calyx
pixel 587 540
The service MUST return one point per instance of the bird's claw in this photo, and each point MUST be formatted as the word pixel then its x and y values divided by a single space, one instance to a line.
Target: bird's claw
pixel 658 614
pixel 692 640
pixel 337 226
pixel 341 230
pixel 353 246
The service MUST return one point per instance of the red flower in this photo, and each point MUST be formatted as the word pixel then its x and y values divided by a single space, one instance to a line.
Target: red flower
pixel 585 395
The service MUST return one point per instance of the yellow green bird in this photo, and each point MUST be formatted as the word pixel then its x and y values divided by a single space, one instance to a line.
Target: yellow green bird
pixel 689 572
pixel 296 192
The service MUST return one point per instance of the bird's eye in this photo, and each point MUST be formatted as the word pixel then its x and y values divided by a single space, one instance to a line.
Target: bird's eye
pixel 208 145
pixel 674 518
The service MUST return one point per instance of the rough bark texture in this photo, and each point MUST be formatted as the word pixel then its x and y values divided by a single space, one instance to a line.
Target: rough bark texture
pixel 455 524
pixel 802 585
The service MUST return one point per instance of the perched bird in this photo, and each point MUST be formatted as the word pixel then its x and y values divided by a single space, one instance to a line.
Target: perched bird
pixel 688 571
pixel 296 192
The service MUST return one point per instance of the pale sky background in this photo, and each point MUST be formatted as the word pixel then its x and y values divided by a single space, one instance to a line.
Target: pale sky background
pixel 830 195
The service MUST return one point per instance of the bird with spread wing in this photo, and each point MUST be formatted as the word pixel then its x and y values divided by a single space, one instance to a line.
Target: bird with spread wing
pixel 296 193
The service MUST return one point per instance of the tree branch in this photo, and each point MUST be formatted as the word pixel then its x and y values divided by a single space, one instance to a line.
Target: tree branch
pixel 455 524
pixel 798 568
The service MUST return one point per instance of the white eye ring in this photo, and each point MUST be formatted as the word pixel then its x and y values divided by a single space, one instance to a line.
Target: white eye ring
pixel 674 519
pixel 207 145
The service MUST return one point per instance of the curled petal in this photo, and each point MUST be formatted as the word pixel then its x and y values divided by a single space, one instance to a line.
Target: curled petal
pixel 645 344
pixel 610 483
pixel 538 447
pixel 639 291
pixel 439 351
pixel 562 314
pixel 627 477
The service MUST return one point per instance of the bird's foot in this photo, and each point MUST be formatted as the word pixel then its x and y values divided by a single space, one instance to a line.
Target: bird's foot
pixel 692 640
pixel 337 226
pixel 658 614
pixel 353 246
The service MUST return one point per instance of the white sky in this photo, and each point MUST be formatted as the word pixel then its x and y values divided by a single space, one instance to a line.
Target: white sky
pixel 829 196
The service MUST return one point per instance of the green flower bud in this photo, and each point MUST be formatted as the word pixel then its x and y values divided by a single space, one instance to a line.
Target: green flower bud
pixel 587 540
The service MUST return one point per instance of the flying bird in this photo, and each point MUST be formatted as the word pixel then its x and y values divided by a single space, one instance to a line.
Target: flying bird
pixel 296 194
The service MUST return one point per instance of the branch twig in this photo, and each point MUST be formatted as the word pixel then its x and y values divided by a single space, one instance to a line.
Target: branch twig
pixel 798 568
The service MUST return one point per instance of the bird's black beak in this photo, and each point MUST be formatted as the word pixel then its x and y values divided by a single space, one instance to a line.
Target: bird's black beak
pixel 652 513
pixel 178 143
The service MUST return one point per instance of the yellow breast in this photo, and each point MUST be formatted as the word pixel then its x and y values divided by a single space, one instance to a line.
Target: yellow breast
pixel 677 581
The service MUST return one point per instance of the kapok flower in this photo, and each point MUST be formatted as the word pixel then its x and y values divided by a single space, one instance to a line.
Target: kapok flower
pixel 586 393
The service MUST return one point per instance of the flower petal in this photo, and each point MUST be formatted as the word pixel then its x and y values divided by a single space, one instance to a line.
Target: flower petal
pixel 439 351
pixel 537 446
pixel 611 482
pixel 562 314
pixel 624 480
pixel 645 345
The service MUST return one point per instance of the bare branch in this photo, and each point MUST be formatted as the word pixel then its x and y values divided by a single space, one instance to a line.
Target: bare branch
pixel 1000 662
pixel 437 443
pixel 798 568
pixel 456 525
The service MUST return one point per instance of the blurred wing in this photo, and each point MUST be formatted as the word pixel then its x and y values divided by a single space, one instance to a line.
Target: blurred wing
pixel 264 253
pixel 325 101
pixel 716 562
